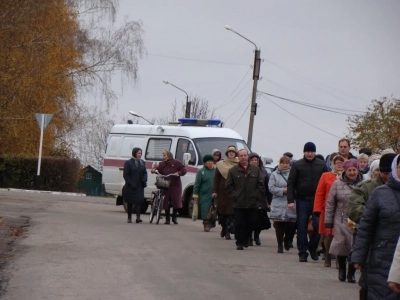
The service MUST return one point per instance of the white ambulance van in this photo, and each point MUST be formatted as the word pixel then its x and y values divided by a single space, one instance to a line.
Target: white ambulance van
pixel 191 138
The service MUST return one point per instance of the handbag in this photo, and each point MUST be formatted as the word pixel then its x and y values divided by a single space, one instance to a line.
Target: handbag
pixel 212 214
pixel 195 212
pixel 162 183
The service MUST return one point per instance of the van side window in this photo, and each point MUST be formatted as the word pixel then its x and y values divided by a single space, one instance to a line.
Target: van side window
pixel 186 146
pixel 113 145
pixel 155 148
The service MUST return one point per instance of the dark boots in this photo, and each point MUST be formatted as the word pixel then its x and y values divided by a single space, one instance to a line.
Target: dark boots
pixel 342 267
pixel 257 237
pixel 175 216
pixel 351 274
pixel 280 232
pixel 167 217
pixel 138 209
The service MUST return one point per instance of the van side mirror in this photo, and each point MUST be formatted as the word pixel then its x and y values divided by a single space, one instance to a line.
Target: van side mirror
pixel 266 160
pixel 186 158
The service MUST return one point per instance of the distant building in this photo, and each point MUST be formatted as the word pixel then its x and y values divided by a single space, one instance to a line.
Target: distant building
pixel 91 182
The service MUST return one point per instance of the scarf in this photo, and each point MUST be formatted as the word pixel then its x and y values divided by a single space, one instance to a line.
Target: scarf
pixel 223 166
pixel 350 182
pixel 394 168
pixel 336 172
pixel 138 161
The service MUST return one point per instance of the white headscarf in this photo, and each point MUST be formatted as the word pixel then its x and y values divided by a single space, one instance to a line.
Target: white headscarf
pixel 394 168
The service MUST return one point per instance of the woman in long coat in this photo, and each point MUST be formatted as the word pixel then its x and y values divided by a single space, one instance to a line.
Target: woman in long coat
pixel 284 218
pixel 378 233
pixel 224 202
pixel 263 222
pixel 172 195
pixel 336 217
pixel 202 190
pixel 321 196
pixel 135 176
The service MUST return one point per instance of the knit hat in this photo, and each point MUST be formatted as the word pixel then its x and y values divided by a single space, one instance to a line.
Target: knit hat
pixel 231 148
pixel 288 154
pixel 310 147
pixel 350 163
pixel 385 163
pixel 253 154
pixel 365 151
pixel 374 165
pixel 320 156
pixel 207 158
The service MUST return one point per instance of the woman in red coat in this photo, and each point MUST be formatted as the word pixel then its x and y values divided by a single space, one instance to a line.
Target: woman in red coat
pixel 321 196
pixel 172 195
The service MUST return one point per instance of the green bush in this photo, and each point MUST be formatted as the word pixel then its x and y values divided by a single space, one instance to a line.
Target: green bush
pixel 57 173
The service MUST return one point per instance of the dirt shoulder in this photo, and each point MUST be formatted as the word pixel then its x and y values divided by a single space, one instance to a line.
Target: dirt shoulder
pixel 11 229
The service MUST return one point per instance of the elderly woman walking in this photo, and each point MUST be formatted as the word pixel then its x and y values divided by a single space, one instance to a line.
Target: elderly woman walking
pixel 263 222
pixel 202 190
pixel 135 176
pixel 321 197
pixel 284 218
pixel 172 195
pixel 378 234
pixel 224 202
pixel 336 217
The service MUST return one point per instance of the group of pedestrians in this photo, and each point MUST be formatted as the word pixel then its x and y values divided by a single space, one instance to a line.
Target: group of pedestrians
pixel 343 207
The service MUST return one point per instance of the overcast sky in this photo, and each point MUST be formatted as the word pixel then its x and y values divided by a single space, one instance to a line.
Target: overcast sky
pixel 335 53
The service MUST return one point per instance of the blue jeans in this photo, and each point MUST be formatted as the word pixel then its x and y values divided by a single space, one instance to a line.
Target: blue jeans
pixel 304 209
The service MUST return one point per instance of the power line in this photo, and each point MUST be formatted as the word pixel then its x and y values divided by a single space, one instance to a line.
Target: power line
pixel 236 88
pixel 235 95
pixel 315 106
pixel 312 84
pixel 198 60
pixel 241 115
pixel 244 102
pixel 302 119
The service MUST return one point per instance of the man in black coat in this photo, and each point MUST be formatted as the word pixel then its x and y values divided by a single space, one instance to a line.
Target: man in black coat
pixel 302 184
pixel 245 185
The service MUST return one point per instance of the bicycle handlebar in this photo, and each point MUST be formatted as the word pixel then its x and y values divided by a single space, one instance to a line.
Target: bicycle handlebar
pixel 156 172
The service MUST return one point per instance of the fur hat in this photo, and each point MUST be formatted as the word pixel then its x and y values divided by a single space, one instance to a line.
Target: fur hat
pixel 231 148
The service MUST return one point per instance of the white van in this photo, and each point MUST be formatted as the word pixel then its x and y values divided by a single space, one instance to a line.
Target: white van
pixel 188 136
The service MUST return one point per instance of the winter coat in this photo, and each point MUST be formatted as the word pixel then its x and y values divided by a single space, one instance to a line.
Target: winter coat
pixel 379 231
pixel 265 198
pixel 279 204
pixel 135 176
pixel 224 201
pixel 321 197
pixel 394 274
pixel 336 216
pixel 245 186
pixel 303 179
pixel 172 195
pixel 359 197
pixel 203 189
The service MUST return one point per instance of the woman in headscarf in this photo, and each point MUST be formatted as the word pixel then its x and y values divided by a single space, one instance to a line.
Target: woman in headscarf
pixel 336 217
pixel 373 170
pixel 263 222
pixel 224 202
pixel 172 195
pixel 321 196
pixel 135 176
pixel 216 156
pixel 202 190
pixel 284 218
pixel 378 234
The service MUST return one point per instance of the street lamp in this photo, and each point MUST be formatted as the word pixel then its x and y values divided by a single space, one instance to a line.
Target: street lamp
pixel 139 116
pixel 187 110
pixel 256 77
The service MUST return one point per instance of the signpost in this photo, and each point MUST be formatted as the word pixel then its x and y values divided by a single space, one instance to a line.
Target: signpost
pixel 43 120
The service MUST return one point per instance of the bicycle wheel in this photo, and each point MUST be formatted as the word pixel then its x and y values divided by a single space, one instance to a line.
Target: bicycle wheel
pixel 153 209
pixel 160 207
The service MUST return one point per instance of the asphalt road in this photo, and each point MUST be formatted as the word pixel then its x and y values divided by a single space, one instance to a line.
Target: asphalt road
pixel 82 248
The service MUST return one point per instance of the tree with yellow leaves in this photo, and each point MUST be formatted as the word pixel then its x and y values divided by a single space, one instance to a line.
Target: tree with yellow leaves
pixel 379 127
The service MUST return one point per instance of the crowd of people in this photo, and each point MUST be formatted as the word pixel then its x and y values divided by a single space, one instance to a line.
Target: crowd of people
pixel 342 207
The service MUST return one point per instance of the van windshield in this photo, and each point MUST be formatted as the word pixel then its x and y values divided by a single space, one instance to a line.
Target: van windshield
pixel 206 145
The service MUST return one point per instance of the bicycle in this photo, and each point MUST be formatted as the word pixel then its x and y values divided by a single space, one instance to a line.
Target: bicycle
pixel 157 202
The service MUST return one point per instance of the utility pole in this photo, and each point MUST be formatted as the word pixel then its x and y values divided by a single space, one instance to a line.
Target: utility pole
pixel 253 107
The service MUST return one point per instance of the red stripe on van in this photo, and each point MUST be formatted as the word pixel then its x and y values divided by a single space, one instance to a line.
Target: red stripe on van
pixel 119 163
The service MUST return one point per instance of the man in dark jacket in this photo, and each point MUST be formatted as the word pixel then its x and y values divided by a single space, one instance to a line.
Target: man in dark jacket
pixel 245 185
pixel 356 205
pixel 302 184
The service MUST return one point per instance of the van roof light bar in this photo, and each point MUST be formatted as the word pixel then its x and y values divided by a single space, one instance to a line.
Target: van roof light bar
pixel 198 122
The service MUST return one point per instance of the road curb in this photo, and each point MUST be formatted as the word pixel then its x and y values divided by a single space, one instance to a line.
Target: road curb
pixel 44 192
